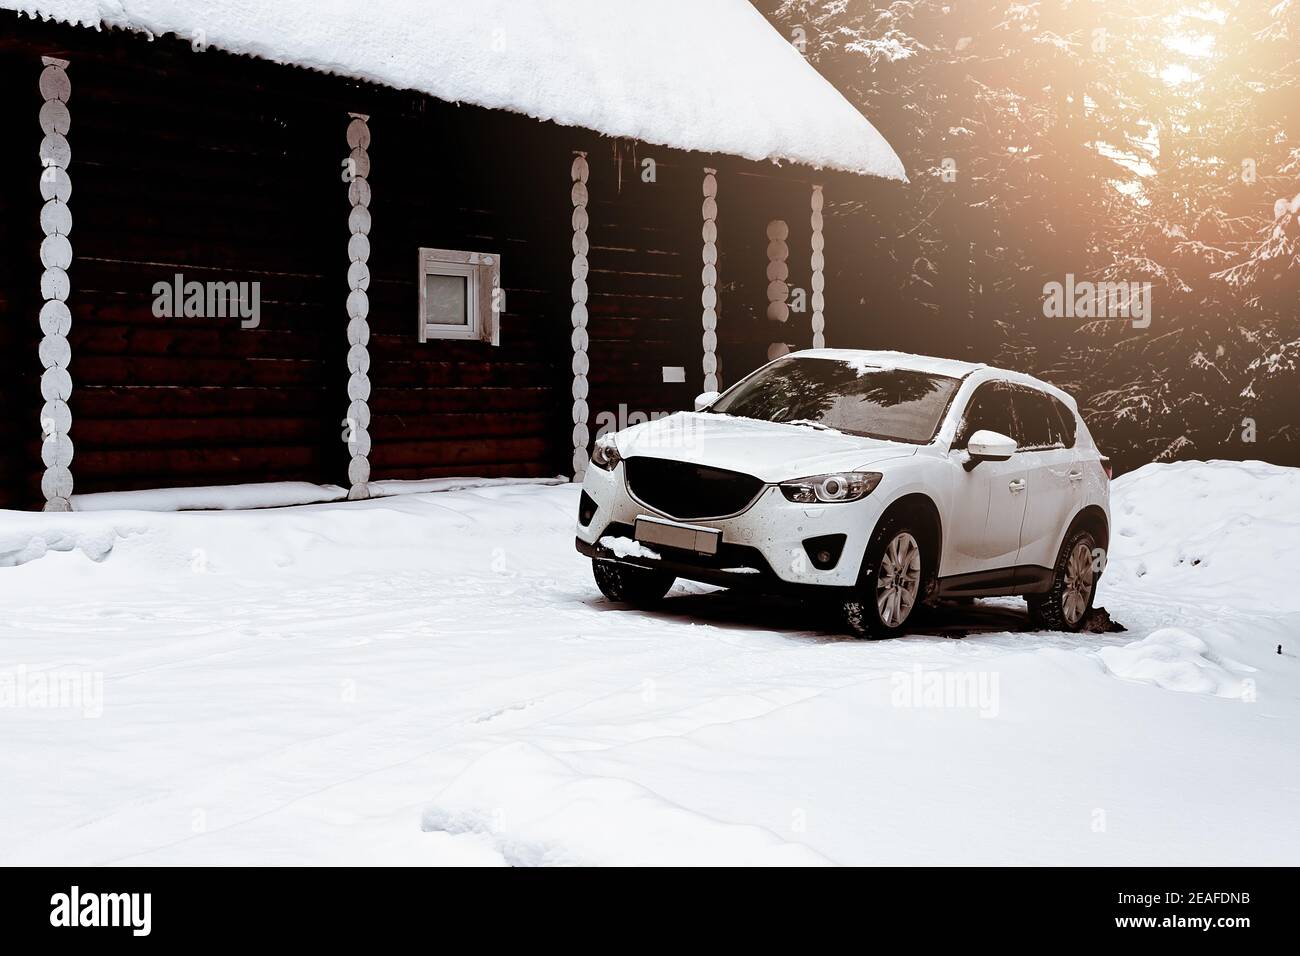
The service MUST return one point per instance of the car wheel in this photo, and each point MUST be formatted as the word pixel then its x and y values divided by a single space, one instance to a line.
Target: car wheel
pixel 890 582
pixel 1074 584
pixel 630 584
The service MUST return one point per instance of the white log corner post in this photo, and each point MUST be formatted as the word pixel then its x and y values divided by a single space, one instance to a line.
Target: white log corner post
pixel 818 272
pixel 578 172
pixel 56 257
pixel 709 279
pixel 356 427
pixel 778 291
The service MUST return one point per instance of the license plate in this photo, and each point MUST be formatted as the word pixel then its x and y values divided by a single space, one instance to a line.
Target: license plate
pixel 684 536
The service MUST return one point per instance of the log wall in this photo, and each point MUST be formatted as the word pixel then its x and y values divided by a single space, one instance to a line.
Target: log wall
pixel 229 169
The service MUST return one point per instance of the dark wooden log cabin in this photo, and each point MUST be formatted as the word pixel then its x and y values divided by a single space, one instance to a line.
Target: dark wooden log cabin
pixel 226 168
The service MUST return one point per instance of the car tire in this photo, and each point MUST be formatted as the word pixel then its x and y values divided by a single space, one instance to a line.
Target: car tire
pixel 629 584
pixel 1068 604
pixel 892 580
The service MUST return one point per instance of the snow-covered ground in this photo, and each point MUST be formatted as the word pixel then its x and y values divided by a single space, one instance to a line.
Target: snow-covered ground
pixel 434 679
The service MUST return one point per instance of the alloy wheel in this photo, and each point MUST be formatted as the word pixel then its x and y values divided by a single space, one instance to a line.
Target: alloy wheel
pixel 898 580
pixel 1078 583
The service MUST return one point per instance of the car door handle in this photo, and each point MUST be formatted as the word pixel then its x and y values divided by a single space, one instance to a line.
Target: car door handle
pixel 1075 476
pixel 1016 486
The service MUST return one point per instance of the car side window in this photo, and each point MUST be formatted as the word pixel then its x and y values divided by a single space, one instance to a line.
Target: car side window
pixel 1039 424
pixel 1066 416
pixel 989 408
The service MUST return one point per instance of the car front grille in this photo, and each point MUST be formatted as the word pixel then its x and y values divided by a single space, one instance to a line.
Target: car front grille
pixel 685 491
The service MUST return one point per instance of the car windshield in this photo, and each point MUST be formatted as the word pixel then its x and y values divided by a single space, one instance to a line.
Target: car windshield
pixel 851 397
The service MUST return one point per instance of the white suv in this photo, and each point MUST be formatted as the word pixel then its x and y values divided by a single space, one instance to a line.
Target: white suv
pixel 878 479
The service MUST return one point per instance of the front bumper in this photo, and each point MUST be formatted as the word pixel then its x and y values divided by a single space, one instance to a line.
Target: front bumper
pixel 762 547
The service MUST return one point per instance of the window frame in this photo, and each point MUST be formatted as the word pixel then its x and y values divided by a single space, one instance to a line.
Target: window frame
pixel 482 274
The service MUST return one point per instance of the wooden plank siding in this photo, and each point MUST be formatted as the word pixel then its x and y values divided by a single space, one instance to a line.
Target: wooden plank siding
pixel 644 301
pixel 228 169
pixel 461 178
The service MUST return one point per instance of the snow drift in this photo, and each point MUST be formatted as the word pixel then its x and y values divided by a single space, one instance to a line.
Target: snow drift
pixel 1177 660
pixel 1221 531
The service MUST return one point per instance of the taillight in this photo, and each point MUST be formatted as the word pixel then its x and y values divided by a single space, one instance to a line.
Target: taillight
pixel 1105 466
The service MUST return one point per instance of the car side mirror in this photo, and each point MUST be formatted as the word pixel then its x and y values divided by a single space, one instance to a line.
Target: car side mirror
pixel 705 399
pixel 987 445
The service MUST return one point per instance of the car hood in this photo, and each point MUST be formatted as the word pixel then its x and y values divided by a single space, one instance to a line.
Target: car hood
pixel 771 451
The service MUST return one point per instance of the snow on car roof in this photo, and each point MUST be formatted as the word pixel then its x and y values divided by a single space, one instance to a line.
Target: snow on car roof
pixel 712 77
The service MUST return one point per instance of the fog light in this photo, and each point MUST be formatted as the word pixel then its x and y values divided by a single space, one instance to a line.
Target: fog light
pixel 586 509
pixel 824 551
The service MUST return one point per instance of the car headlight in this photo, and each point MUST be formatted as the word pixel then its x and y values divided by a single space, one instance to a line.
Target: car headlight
pixel 841 486
pixel 604 453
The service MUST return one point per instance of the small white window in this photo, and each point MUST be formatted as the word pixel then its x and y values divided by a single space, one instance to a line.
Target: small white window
pixel 460 295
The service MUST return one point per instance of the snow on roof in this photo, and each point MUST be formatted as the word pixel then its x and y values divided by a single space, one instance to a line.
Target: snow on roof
pixel 712 76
